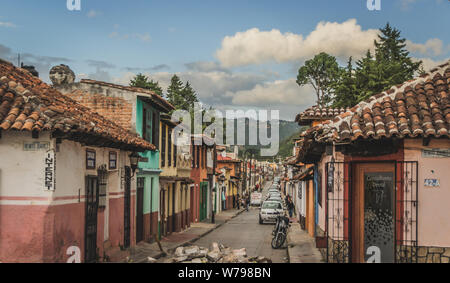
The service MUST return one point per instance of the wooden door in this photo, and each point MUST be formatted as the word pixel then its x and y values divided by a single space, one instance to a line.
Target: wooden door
pixel 92 189
pixel 373 226
pixel 140 210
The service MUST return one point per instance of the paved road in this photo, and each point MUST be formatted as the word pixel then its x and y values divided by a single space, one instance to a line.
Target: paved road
pixel 245 232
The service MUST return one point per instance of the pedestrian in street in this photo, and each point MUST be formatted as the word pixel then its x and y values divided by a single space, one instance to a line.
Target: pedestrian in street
pixel 247 202
pixel 290 206
pixel 238 200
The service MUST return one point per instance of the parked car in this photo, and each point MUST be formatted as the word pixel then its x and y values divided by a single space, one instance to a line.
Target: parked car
pixel 256 199
pixel 269 211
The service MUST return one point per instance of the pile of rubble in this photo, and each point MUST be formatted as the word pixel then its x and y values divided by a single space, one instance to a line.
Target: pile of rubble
pixel 216 254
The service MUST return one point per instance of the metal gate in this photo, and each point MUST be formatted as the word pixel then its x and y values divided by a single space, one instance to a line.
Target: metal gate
pixel 339 210
pixel 406 211
pixel 92 189
pixel 127 208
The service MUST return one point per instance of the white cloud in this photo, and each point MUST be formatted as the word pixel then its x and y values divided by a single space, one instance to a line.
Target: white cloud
pixel 7 25
pixel 280 92
pixel 433 47
pixel 429 63
pixel 255 47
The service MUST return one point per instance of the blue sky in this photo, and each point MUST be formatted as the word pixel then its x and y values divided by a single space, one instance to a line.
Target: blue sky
pixel 237 54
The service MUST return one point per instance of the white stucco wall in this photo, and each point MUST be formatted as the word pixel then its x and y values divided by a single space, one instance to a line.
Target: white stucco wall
pixel 22 172
pixel 433 202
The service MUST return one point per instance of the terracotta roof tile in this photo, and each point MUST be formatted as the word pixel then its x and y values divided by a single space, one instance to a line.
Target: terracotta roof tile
pixel 318 113
pixel 28 104
pixel 419 107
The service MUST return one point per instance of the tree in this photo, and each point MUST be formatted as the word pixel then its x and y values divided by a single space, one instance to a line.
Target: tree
pixel 346 91
pixel 390 65
pixel 144 82
pixel 174 92
pixel 189 96
pixel 322 73
pixel 181 96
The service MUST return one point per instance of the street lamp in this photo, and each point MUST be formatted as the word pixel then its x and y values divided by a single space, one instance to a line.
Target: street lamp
pixel 134 160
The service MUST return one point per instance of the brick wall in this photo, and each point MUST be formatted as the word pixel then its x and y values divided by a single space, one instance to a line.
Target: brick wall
pixel 113 108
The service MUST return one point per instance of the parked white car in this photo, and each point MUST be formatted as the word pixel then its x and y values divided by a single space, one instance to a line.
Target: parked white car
pixel 269 211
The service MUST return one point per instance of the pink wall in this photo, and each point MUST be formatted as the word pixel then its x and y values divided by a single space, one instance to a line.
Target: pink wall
pixel 434 208
pixel 36 233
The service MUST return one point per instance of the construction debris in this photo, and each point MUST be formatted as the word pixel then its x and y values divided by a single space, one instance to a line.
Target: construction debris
pixel 217 253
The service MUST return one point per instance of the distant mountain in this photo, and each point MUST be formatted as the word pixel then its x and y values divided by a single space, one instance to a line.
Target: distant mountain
pixel 287 131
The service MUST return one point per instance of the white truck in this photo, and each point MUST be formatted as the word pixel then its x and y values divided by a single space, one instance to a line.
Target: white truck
pixel 256 199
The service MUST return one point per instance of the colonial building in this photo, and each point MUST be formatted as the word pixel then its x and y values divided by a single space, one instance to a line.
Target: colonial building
pixel 67 176
pixel 384 186
pixel 230 182
pixel 174 181
pixel 202 188
pixel 299 181
pixel 137 110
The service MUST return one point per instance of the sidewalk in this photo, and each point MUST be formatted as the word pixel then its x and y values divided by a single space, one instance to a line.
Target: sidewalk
pixel 143 250
pixel 301 247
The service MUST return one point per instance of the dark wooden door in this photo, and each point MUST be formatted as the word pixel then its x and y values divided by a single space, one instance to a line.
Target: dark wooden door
pixel 162 205
pixel 373 230
pixel 174 216
pixel 140 210
pixel 92 189
pixel 127 208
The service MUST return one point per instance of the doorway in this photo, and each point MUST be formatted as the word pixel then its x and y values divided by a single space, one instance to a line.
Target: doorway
pixel 140 209
pixel 92 189
pixel 373 214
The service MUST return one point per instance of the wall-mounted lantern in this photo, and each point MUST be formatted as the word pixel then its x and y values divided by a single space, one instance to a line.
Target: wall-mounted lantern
pixel 134 160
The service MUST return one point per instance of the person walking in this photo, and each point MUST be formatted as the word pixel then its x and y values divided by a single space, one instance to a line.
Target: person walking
pixel 247 202
pixel 238 200
pixel 290 206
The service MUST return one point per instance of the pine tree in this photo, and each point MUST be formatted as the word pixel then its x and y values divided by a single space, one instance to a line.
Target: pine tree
pixel 390 65
pixel 189 96
pixel 143 81
pixel 174 90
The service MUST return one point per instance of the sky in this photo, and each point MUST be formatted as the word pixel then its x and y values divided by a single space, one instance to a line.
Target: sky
pixel 237 54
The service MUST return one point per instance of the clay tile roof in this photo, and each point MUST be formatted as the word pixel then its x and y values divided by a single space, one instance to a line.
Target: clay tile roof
pixel 28 104
pixel 318 113
pixel 419 107
pixel 157 99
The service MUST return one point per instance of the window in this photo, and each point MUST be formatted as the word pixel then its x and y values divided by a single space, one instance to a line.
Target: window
pixel 197 162
pixel 193 155
pixel 155 130
pixel 163 145
pixel 112 160
pixel 144 124
pixel 102 187
pixel 90 159
pixel 169 142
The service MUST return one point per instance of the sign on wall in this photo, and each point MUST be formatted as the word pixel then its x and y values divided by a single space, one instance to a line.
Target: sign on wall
pixel 436 153
pixel 35 146
pixel 49 172
pixel 432 183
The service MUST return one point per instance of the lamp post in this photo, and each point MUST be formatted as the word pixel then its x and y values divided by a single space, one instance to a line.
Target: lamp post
pixel 134 160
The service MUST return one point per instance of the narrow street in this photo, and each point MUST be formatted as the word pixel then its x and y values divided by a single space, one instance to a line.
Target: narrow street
pixel 245 232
